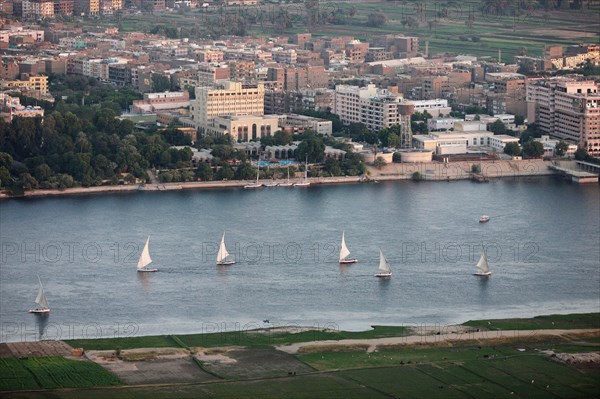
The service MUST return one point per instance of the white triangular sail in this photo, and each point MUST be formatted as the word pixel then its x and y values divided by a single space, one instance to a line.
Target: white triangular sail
pixel 145 259
pixel 41 297
pixel 483 265
pixel 384 265
pixel 344 251
pixel 222 254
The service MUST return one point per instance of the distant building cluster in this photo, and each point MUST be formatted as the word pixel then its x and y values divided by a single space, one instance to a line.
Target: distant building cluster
pixel 251 87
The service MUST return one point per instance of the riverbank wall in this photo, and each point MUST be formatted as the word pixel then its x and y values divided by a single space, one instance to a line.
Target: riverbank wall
pixel 432 171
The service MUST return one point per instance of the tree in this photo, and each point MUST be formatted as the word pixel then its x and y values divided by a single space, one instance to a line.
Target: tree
pixel 204 172
pixel 561 149
pixel 282 138
pixel 352 165
pixel 245 171
pixel 533 149
pixel 6 160
pixel 476 168
pixel 581 154
pixel 332 166
pixel 27 181
pixel 160 83
pixel 311 149
pixel 498 127
pixel 376 19
pixel 5 179
pixel 225 172
pixel 532 131
pixel 379 162
pixel 224 152
pixel 519 120
pixel 512 149
pixel 175 136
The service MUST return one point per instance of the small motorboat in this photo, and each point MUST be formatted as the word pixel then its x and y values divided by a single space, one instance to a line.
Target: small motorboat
pixel 484 219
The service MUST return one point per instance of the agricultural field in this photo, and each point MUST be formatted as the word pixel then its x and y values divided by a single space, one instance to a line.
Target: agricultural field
pixel 240 363
pixel 527 376
pixel 523 366
pixel 52 372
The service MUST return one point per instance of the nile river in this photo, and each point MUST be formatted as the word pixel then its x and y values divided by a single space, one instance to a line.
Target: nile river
pixel 542 243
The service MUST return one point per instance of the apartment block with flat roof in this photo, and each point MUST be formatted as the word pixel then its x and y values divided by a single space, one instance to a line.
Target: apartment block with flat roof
pixel 375 108
pixel 567 109
pixel 229 98
pixel 37 84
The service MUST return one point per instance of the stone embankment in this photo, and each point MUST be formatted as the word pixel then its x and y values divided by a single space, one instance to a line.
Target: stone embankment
pixel 434 171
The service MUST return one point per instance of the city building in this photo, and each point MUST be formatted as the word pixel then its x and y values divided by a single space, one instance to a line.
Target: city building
pixel 11 107
pixel 436 107
pixel 86 7
pixel 154 102
pixel 550 147
pixel 376 108
pixel 36 84
pixel 567 109
pixel 295 123
pixel 243 128
pixel 228 98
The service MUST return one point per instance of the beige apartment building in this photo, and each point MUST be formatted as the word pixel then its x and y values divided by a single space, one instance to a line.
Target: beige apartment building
pixel 37 84
pixel 228 98
pixel 568 110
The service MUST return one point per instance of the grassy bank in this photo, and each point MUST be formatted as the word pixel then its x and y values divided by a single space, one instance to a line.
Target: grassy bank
pixel 250 338
pixel 556 321
pixel 270 337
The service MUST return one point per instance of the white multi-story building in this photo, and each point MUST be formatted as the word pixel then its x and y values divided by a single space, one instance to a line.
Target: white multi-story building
pixel 567 109
pixel 375 108
pixel 228 98
pixel 436 107
pixel 37 35
pixel 550 147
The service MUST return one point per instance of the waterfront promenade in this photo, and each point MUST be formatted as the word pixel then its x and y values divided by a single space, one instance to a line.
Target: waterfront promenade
pixel 433 171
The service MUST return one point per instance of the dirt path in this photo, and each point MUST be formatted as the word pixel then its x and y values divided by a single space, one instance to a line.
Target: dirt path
pixel 373 343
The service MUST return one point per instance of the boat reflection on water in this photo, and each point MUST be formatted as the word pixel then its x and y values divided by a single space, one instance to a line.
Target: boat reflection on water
pixel 41 322
pixel 144 279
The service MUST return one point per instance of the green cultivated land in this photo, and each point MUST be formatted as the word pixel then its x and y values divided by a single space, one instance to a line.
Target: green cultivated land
pixel 518 367
pixel 52 372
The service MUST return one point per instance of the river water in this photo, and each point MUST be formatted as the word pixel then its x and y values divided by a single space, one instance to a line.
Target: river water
pixel 543 245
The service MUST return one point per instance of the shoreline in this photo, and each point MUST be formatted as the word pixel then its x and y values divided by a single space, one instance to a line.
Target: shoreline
pixel 432 171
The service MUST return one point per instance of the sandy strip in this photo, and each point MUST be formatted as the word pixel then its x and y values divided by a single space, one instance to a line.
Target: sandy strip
pixel 294 348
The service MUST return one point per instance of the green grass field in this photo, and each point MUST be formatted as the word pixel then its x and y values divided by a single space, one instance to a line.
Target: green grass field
pixel 52 372
pixel 570 321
